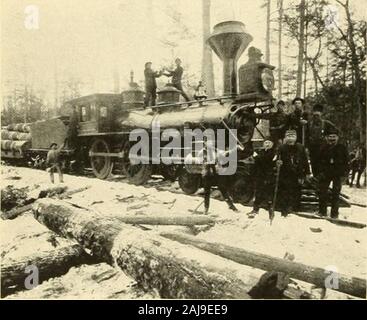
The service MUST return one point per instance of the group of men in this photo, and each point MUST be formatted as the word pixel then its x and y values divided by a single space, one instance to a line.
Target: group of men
pixel 283 167
pixel 151 83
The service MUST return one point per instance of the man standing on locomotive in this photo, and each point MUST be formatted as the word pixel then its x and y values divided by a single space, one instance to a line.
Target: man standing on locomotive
pixel 150 84
pixel 177 78
pixel 293 171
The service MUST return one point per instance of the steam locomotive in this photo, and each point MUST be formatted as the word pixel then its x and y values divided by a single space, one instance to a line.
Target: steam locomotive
pixel 106 120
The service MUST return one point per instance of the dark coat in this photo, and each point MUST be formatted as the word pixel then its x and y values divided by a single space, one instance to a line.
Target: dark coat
pixel 333 160
pixel 176 75
pixel 315 131
pixel 293 122
pixel 295 161
pixel 150 81
pixel 264 169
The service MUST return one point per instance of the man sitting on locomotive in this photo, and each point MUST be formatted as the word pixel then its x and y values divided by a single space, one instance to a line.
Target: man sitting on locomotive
pixel 53 161
pixel 200 92
pixel 177 77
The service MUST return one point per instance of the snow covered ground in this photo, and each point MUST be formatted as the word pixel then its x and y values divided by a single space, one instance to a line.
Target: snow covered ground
pixel 313 242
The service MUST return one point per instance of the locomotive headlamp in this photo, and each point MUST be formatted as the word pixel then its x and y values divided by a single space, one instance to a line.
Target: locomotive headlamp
pixel 267 79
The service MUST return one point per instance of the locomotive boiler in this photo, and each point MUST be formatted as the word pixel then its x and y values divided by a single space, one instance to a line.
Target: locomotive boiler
pixel 105 121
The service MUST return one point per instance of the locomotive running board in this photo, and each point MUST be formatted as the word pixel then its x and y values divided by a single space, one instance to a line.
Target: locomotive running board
pixel 106 154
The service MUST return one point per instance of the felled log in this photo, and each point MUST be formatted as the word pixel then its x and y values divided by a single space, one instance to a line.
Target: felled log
pixel 50 264
pixel 21 127
pixel 71 192
pixel 15 135
pixel 11 145
pixel 350 285
pixel 16 201
pixel 172 269
pixel 165 220
pixel 340 222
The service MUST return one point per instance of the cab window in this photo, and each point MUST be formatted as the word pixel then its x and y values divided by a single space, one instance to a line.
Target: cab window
pixel 85 113
pixel 103 112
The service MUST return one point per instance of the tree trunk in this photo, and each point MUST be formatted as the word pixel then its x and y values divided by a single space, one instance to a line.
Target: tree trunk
pixel 350 285
pixel 156 263
pixel 207 60
pixel 301 48
pixel 167 220
pixel 267 39
pixel 280 49
pixel 49 264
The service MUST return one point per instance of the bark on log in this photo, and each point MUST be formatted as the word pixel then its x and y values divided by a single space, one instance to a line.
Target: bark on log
pixel 50 264
pixel 350 285
pixel 340 222
pixel 167 220
pixel 173 269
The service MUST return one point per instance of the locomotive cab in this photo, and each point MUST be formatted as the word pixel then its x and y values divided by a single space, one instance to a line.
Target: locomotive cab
pixel 96 113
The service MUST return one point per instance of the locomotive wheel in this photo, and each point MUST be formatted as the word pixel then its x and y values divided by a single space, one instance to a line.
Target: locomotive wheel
pixel 169 172
pixel 243 188
pixel 189 183
pixel 137 174
pixel 101 165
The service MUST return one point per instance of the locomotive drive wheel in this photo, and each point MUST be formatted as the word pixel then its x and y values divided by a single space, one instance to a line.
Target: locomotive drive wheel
pixel 169 172
pixel 137 174
pixel 101 165
pixel 189 183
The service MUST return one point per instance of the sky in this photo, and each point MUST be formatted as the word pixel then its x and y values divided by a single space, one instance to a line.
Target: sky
pixel 89 39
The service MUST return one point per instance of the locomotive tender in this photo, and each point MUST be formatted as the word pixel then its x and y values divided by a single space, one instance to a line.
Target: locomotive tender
pixel 106 120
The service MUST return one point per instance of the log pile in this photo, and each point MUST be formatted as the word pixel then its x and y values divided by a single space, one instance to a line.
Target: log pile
pixel 16 137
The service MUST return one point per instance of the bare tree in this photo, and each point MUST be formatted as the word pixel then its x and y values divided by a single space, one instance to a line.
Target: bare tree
pixel 301 48
pixel 280 26
pixel 349 38
pixel 267 49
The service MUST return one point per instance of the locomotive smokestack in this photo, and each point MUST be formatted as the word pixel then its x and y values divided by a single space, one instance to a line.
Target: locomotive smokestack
pixel 229 40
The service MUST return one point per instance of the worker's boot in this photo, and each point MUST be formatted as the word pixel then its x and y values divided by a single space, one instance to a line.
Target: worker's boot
pixel 206 210
pixel 252 213
pixel 233 207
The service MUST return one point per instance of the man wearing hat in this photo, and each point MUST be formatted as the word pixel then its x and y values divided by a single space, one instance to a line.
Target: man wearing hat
pixel 297 119
pixel 264 172
pixel 177 77
pixel 53 161
pixel 150 84
pixel 315 136
pixel 293 171
pixel 333 168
